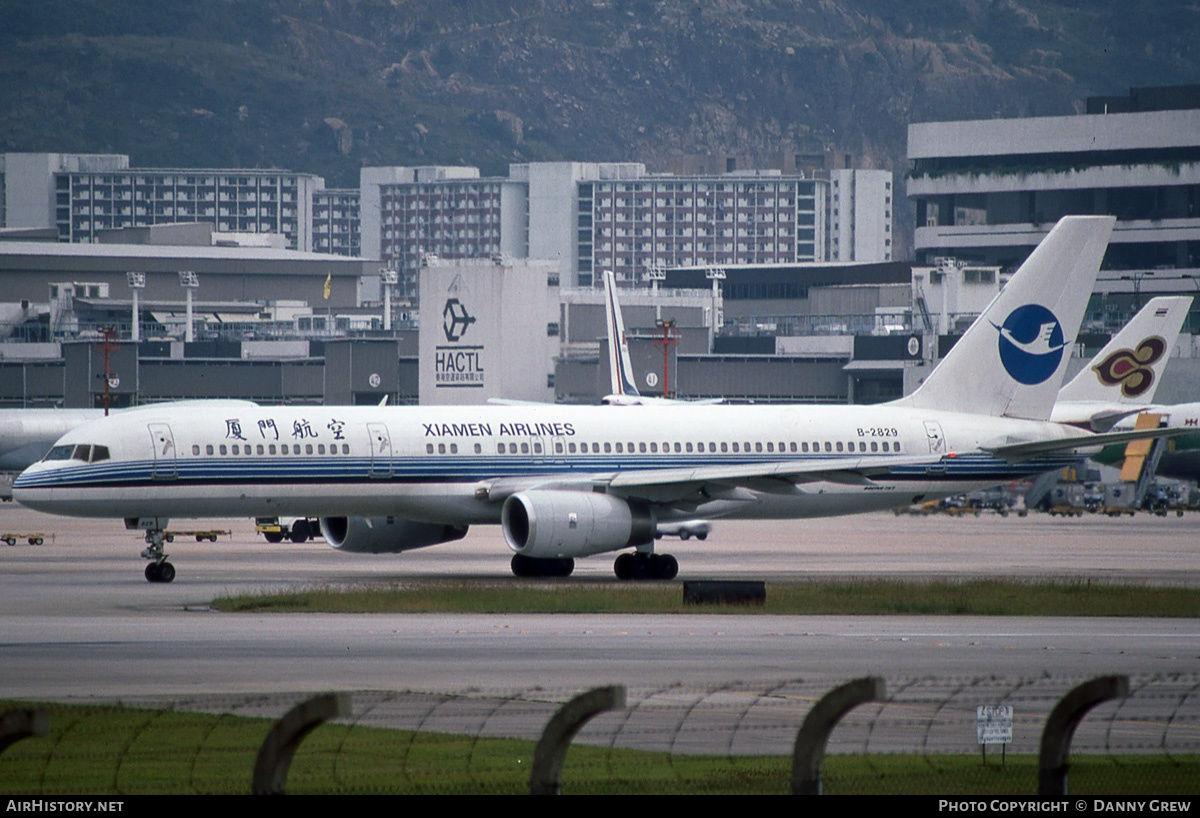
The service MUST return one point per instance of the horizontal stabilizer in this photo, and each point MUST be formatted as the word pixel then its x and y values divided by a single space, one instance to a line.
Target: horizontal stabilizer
pixel 1014 452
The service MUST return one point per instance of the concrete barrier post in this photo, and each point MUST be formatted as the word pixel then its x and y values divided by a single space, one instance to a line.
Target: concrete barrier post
pixel 279 747
pixel 563 726
pixel 819 723
pixel 18 724
pixel 1054 759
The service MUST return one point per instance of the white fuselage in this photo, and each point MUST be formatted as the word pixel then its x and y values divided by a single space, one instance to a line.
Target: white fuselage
pixel 450 464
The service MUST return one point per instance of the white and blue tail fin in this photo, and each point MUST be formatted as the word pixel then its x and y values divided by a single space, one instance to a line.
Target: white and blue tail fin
pixel 1011 361
pixel 620 369
pixel 1129 368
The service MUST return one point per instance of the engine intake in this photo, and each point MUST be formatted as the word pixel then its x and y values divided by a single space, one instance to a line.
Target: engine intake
pixel 385 535
pixel 543 524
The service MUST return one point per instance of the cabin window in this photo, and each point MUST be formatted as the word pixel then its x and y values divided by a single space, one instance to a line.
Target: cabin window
pixel 571 448
pixel 595 448
pixel 862 447
pixel 757 447
pixel 558 447
pixel 725 447
pixel 803 447
pixel 195 450
pixel 537 448
pixel 770 447
pixel 429 448
pixel 712 447
pixel 794 446
pixel 441 448
pixel 607 448
pixel 735 446
pixel 320 448
pixel 654 448
pixel 679 448
pixel 688 448
pixel 271 448
pixel 500 448
pixel 839 445
pixel 222 449
pixel 308 449
pixel 453 448
pixel 747 449
pixel 886 447
pixel 479 448
pixel 524 448
pixel 208 450
pixel 631 449
pixel 236 449
pixel 620 448
pixel 896 446
pixel 642 447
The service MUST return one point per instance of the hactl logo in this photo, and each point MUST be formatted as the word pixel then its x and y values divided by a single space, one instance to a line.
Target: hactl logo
pixel 455 320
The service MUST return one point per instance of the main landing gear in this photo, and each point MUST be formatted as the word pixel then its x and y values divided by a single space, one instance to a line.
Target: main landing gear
pixel 641 565
pixel 158 569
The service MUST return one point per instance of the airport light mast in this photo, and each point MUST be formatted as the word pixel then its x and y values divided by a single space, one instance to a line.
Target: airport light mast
pixel 137 282
pixel 189 282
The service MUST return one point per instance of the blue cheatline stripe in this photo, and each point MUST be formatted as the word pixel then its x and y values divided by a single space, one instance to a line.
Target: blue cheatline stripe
pixel 470 468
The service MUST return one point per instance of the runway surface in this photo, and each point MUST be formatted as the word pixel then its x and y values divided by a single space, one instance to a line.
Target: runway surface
pixel 78 619
pixel 78 622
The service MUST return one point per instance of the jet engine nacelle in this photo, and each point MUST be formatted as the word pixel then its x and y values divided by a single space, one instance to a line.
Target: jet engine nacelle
pixel 543 524
pixel 385 535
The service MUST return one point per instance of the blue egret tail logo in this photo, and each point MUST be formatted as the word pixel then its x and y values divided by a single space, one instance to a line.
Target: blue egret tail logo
pixel 1031 344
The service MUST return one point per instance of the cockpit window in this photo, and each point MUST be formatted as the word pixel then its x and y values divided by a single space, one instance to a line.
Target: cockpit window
pixel 99 453
pixel 82 452
pixel 59 453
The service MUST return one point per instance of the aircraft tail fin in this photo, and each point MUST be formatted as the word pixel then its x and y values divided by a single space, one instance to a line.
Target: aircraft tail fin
pixel 1129 368
pixel 620 368
pixel 1011 361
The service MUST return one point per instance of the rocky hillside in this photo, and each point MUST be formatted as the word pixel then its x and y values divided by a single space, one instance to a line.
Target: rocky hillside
pixel 329 85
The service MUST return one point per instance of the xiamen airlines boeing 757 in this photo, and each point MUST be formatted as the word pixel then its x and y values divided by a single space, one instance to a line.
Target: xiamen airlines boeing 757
pixel 566 482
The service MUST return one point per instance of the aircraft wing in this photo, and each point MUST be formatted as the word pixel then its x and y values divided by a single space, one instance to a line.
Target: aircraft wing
pixel 1013 452
pixel 782 477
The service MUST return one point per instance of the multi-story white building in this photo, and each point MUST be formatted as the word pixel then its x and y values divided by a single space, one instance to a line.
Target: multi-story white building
pixel 593 216
pixel 989 190
pixel 757 217
pixel 860 215
pixel 335 222
pixel 83 195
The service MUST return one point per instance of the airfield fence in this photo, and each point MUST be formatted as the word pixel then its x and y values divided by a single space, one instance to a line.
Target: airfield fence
pixel 919 737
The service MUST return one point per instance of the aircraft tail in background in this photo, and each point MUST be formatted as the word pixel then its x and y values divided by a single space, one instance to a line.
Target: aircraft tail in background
pixel 1129 368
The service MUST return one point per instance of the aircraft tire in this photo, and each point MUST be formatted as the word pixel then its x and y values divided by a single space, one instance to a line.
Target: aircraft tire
pixel 622 567
pixel 166 572
pixel 152 572
pixel 664 566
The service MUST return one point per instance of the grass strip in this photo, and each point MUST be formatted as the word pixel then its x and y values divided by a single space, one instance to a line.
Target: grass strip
pixel 111 750
pixel 880 597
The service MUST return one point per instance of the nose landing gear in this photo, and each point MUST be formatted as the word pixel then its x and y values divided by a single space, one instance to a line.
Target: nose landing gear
pixel 158 569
